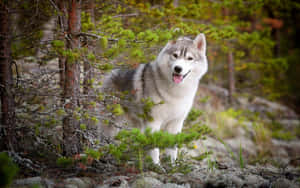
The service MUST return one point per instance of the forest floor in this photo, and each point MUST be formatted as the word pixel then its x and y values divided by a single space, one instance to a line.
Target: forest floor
pixel 255 143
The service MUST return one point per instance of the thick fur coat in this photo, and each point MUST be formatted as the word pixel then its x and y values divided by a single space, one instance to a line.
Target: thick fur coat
pixel 171 81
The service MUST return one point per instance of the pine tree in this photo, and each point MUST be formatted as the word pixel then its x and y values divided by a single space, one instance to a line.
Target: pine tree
pixel 71 140
pixel 6 80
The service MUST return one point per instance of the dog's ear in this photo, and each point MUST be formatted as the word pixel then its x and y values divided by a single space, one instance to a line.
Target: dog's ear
pixel 200 43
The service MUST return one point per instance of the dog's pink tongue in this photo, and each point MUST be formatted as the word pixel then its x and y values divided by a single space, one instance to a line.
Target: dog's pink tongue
pixel 177 78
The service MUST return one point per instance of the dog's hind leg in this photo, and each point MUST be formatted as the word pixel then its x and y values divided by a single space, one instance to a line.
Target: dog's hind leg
pixel 172 152
pixel 154 154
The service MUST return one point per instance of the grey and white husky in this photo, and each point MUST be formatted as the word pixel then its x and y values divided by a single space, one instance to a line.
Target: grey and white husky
pixel 172 78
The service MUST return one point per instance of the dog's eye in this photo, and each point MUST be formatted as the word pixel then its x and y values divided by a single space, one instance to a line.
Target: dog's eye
pixel 175 55
pixel 190 58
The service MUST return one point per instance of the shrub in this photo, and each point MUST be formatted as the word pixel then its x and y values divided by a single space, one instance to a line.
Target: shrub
pixel 8 170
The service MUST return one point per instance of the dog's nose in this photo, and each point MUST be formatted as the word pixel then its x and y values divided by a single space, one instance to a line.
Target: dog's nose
pixel 177 69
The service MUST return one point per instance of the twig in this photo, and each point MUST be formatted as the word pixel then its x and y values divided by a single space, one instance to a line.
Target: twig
pixel 61 20
pixel 126 15
pixel 96 36
pixel 17 71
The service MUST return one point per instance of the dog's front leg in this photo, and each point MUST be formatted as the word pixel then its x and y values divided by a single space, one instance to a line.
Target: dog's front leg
pixel 154 153
pixel 174 127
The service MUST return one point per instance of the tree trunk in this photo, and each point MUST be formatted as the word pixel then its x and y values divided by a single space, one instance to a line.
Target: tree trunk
pixel 175 3
pixel 277 42
pixel 63 22
pixel 88 69
pixel 6 80
pixel 71 139
pixel 231 77
pixel 230 61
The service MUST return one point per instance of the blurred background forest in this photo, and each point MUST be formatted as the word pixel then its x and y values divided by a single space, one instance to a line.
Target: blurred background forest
pixel 54 54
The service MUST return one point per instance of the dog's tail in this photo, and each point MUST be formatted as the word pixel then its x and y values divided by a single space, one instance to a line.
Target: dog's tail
pixel 109 83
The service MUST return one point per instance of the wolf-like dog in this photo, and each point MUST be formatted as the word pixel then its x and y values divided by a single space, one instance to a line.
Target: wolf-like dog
pixel 171 81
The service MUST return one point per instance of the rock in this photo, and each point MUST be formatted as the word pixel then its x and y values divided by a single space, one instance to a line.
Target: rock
pixel 78 182
pixel 289 124
pixel 117 181
pixel 33 181
pixel 268 108
pixel 173 185
pixel 282 183
pixel 291 147
pixel 149 182
pixel 237 181
pixel 146 182
pixel 71 186
pixel 247 145
pixel 28 181
pixel 214 98
pixel 255 180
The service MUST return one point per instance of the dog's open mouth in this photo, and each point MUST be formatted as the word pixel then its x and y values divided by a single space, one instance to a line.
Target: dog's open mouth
pixel 177 78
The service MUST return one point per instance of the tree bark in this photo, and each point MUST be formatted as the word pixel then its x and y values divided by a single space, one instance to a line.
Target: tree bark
pixel 6 80
pixel 71 139
pixel 63 22
pixel 230 61
pixel 231 77
pixel 88 69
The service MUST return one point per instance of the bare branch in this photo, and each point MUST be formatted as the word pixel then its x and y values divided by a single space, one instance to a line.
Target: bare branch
pixel 126 15
pixel 96 36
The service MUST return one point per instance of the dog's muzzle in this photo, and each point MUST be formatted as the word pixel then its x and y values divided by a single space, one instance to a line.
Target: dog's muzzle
pixel 177 78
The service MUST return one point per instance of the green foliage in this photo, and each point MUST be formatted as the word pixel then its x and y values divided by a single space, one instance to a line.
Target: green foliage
pixel 65 162
pixel 131 40
pixel 58 44
pixel 95 154
pixel 104 42
pixel 204 155
pixel 116 109
pixel 133 143
pixel 181 165
pixel 212 164
pixel 283 135
pixel 204 99
pixel 194 115
pixel 83 127
pixel 8 170
pixel 71 55
pixel 86 22
pixel 61 112
pixel 241 159
pixel 106 67
pixel 147 106
pixel 105 122
pixel 94 119
pixel 91 57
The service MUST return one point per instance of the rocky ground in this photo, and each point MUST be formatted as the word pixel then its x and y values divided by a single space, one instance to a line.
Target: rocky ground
pixel 255 144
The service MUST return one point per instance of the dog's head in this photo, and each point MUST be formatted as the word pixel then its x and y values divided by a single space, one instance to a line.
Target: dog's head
pixel 184 58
